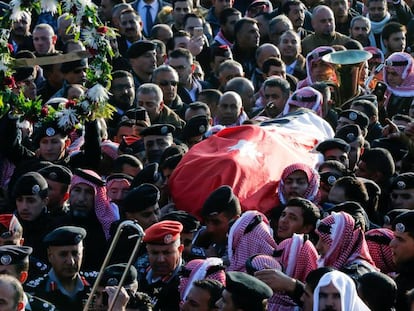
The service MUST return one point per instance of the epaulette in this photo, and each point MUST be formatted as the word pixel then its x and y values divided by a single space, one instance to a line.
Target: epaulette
pixel 42 266
pixel 38 303
pixel 36 282
pixel 89 274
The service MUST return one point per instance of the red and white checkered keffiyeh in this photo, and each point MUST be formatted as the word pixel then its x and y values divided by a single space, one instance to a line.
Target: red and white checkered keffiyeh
pixel 248 236
pixel 306 97
pixel 311 193
pixel 346 243
pixel 103 210
pixel 199 269
pixel 378 241
pixel 402 63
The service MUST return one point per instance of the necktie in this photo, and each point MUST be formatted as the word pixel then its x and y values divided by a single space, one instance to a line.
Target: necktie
pixel 148 20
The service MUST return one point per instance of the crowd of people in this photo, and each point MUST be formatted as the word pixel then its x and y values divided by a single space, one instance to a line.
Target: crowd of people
pixel 111 100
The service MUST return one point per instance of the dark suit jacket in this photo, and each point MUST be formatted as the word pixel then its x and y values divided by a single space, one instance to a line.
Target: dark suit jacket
pixel 161 4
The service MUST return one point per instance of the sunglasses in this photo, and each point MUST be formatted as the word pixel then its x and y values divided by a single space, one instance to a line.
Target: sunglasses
pixel 167 83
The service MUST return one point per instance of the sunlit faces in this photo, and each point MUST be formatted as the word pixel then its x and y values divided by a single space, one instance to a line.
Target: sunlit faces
pixel 289 45
pixel 164 259
pixel 402 198
pixel 145 217
pixel 130 26
pixel 396 42
pixel 377 10
pixel 151 104
pixel 44 40
pixel 248 37
pixel 322 71
pixel 297 15
pixel 402 247
pixel 340 8
pixel 295 185
pixel 360 31
pixel 229 108
pixel 145 63
pixel 274 96
pixel 197 300
pixel 123 92
pixel 181 8
pixel 329 298
pixel 183 67
pixel 53 148
pixel 82 199
pixel 168 82
pixel 323 22
pixel 29 207
pixel 290 222
pixel 217 226
pixel 66 260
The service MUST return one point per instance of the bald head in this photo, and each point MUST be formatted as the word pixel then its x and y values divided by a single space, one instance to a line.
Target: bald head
pixel 229 108
pixel 323 21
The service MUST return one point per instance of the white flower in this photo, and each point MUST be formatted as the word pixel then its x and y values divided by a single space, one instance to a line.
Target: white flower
pixel 67 118
pixel 4 36
pixel 98 93
pixel 3 67
pixel 90 37
pixel 15 3
pixel 84 105
pixel 67 5
pixel 48 6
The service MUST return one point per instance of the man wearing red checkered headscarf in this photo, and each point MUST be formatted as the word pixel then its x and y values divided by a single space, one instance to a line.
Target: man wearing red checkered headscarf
pixel 342 245
pixel 378 241
pixel 248 236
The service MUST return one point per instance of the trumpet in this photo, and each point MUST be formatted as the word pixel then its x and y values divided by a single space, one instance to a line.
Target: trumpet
pixel 140 234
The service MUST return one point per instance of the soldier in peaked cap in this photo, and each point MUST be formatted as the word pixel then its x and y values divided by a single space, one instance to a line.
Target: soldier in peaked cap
pixel 335 149
pixel 195 129
pixel 402 191
pixel 157 138
pixel 244 292
pixel 402 247
pixel 14 260
pixel 64 285
pixel 352 135
pixel 161 279
pixel 138 55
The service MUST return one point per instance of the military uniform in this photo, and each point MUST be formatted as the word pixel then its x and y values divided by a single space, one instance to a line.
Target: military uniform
pixel 36 304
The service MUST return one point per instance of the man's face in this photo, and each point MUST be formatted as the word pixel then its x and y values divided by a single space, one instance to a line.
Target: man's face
pixel 248 37
pixel 56 193
pixel 197 299
pixel 337 195
pixel 53 148
pixel 146 217
pixel 155 146
pixel 338 155
pixel 130 26
pixel 146 63
pixel 28 86
pixel 274 96
pixel 66 260
pixel 402 247
pixel 117 191
pixel 105 10
pixel 363 171
pixel 226 74
pixel 191 23
pixel 220 5
pixel 228 27
pixel 168 82
pixel 377 10
pixel 181 8
pixel 323 22
pixel 321 71
pixel 22 27
pixel 340 8
pixel 329 298
pixel 355 152
pixel 217 226
pixel 29 207
pixel 164 259
pixel 265 53
pixel 123 92
pixel 394 78
pixel 7 298
pixel 279 71
pixel 360 31
pixel 76 76
pixel 307 299
pixel 290 222
pixel 151 104
pixel 289 45
pixel 43 41
pixel 296 15
pixel 295 185
pixel 82 199
pixel 396 42
pixel 225 303
pixel 228 109
pixel 402 198
pixel 183 68
pixel 217 62
pixel 122 132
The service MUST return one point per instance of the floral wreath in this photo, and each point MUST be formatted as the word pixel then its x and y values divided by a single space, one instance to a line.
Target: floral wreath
pixel 93 34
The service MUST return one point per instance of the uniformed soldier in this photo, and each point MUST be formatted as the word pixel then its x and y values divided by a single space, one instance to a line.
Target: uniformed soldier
pixel 14 260
pixel 161 279
pixel 64 285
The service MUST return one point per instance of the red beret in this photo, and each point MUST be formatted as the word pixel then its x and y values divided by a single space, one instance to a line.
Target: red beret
pixel 164 232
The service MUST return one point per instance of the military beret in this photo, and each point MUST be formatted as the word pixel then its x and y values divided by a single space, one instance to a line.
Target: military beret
pixel 392 214
pixel 112 275
pixel 140 198
pixel 404 222
pixel 329 177
pixel 245 285
pixel 196 126
pixel 220 200
pixel 164 232
pixel 349 133
pixel 31 183
pixel 139 48
pixel 58 173
pixel 14 254
pixel 149 174
pixel 403 181
pixel 172 151
pixel 66 235
pixel 369 97
pixel 333 143
pixel 47 129
pixel 189 222
pixel 73 65
pixel 356 116
pixel 158 129
pixel 131 145
pixel 89 177
pixel 396 147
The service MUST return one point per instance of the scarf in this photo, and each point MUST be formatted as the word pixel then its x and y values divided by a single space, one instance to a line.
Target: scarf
pixel 376 28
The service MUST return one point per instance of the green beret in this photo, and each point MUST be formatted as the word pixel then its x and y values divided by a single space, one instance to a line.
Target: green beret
pixel 245 285
pixel 63 236
pixel 14 254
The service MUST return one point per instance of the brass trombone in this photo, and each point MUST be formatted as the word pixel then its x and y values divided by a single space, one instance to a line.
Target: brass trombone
pixel 140 234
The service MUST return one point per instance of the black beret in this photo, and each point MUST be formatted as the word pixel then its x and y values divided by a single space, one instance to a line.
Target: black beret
pixel 31 183
pixel 369 97
pixel 392 214
pixel 140 198
pixel 396 147
pixel 139 48
pixel 349 133
pixel 245 285
pixel 149 174
pixel 58 173
pixel 196 126
pixel 404 222
pixel 76 64
pixel 329 177
pixel 158 129
pixel 189 222
pixel 48 129
pixel 118 176
pixel 85 175
pixel 112 275
pixel 66 235
pixel 14 254
pixel 403 181
pixel 358 117
pixel 220 200
pixel 333 143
